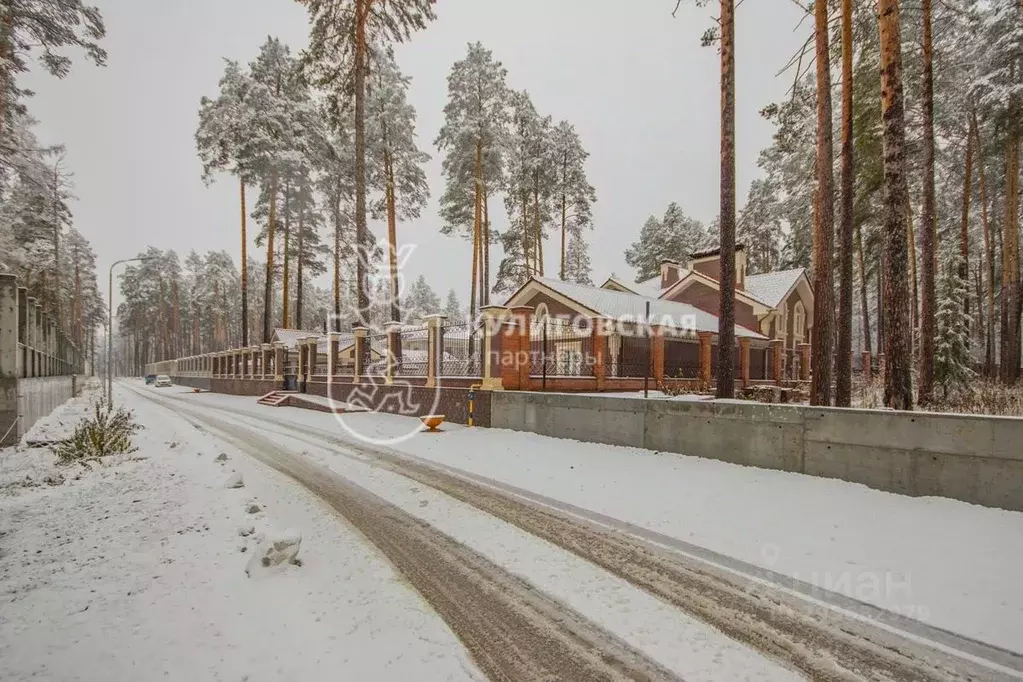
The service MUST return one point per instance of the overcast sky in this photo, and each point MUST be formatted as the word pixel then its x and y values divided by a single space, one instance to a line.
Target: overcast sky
pixel 637 85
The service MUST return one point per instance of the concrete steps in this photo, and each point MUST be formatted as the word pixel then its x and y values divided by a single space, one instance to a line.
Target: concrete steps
pixel 275 398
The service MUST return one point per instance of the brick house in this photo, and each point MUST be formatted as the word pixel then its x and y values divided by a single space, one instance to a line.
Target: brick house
pixel 684 301
pixel 777 304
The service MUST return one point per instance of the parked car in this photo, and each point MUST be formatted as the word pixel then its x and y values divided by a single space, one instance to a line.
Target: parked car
pixel 150 379
pixel 162 381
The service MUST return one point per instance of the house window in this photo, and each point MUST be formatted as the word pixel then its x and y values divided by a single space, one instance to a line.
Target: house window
pixel 799 322
pixel 780 330
pixel 541 312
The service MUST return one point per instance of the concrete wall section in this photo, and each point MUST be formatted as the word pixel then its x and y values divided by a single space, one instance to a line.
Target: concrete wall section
pixel 39 397
pixel 976 459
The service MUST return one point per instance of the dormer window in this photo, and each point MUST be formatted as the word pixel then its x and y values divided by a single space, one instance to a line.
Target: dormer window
pixel 799 322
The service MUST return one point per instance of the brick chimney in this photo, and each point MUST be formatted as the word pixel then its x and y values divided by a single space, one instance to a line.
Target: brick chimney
pixel 670 272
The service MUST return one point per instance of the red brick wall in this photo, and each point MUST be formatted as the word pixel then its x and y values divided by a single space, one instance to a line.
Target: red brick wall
pixel 707 298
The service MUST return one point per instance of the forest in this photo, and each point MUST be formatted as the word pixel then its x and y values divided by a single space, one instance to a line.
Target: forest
pixel 893 176
pixel 38 239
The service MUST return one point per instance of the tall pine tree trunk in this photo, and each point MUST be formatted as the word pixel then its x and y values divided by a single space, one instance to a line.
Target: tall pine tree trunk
pixel 843 353
pixel 486 247
pixel 864 301
pixel 336 326
pixel 822 339
pixel 477 220
pixel 244 267
pixel 268 287
pixel 392 235
pixel 286 275
pixel 537 227
pixel 362 8
pixel 1010 262
pixel 964 227
pixel 989 251
pixel 564 229
pixel 300 260
pixel 898 386
pixel 928 263
pixel 726 320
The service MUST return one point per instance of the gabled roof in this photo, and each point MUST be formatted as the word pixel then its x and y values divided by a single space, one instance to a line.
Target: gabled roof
pixel 648 287
pixel 772 287
pixel 696 275
pixel 619 305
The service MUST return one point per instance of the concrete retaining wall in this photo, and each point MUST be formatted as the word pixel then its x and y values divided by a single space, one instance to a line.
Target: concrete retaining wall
pixel 976 459
pixel 37 398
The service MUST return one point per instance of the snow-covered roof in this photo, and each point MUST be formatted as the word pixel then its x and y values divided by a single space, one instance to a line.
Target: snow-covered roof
pixel 771 287
pixel 290 337
pixel 621 305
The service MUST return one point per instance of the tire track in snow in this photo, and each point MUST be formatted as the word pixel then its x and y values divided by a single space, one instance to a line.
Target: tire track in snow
pixel 513 631
pixel 823 644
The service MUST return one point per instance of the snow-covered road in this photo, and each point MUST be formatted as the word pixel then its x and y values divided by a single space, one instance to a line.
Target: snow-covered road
pixel 818 645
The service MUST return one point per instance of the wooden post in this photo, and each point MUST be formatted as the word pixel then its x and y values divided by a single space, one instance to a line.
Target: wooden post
pixel 705 355
pixel 744 360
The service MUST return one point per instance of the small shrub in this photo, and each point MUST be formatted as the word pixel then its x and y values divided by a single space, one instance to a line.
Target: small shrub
pixel 107 432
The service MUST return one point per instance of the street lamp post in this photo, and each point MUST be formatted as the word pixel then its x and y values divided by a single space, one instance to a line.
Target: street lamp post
pixel 110 325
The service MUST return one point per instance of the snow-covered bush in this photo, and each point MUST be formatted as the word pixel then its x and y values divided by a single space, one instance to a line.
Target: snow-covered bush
pixel 107 432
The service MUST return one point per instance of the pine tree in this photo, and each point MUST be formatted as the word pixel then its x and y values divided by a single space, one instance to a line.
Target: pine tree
pixel 952 335
pixel 672 237
pixel 395 161
pixel 452 308
pixel 928 248
pixel 40 31
pixel 420 300
pixel 222 143
pixel 573 194
pixel 843 350
pixel 898 393
pixel 759 228
pixel 338 60
pixel 530 193
pixel 822 342
pixel 577 260
pixel 475 126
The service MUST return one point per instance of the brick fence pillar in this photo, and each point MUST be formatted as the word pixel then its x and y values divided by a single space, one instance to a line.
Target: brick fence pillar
pixel 361 343
pixel 23 329
pixel 598 343
pixel 393 330
pixel 434 347
pixel 776 346
pixel 744 360
pixel 35 318
pixel 510 353
pixel 705 355
pixel 657 353
pixel 279 352
pixel 10 430
pixel 333 351
pixel 493 317
pixel 804 361
pixel 523 316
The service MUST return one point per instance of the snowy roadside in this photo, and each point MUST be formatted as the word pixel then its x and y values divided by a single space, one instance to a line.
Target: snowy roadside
pixel 944 562
pixel 135 571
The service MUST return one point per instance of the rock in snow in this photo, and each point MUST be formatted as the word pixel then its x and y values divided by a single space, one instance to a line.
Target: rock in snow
pixel 280 549
pixel 234 481
pixel 222 457
pixel 246 531
pixel 252 508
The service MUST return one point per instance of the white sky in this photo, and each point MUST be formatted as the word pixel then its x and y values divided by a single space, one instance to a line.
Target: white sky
pixel 637 85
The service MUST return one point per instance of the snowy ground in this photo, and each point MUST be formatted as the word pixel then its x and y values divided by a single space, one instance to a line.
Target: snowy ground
pixel 947 563
pixel 134 571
